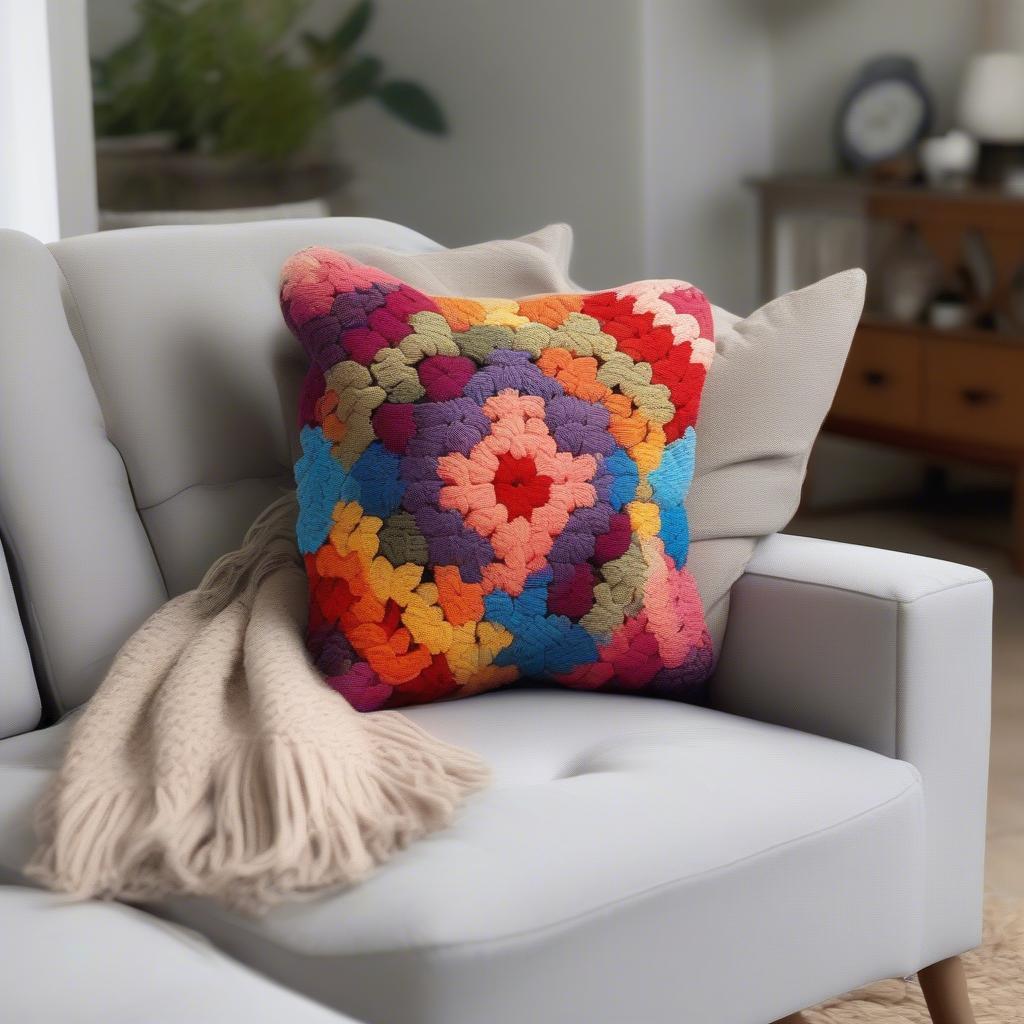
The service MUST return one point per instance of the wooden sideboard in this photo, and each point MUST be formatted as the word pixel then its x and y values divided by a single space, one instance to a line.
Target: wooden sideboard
pixel 948 393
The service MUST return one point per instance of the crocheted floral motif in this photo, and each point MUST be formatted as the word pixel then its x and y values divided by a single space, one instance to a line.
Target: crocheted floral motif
pixel 493 490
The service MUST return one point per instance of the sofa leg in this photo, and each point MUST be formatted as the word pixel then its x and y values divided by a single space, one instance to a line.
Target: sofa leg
pixel 945 991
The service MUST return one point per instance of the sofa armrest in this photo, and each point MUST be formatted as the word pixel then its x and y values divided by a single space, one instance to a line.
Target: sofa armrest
pixel 887 651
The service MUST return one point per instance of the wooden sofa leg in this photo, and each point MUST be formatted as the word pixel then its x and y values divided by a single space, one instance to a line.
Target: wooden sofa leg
pixel 945 991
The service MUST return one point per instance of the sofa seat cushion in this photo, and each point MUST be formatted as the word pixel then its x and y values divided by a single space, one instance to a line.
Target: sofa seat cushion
pixel 625 846
pixel 105 963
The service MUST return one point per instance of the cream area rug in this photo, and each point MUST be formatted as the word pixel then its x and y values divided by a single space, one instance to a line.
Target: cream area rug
pixel 995 974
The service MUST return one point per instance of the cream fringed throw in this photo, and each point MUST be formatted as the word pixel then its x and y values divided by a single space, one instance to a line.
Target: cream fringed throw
pixel 214 761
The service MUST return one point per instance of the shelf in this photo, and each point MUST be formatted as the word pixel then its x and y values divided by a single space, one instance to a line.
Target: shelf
pixel 975 335
pixel 927 443
pixel 947 393
pixel 852 187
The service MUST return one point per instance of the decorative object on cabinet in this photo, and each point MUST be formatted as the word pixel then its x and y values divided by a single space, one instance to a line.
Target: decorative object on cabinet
pixel 991 95
pixel 949 160
pixel 939 367
pixel 992 110
pixel 910 276
pixel 991 101
pixel 885 113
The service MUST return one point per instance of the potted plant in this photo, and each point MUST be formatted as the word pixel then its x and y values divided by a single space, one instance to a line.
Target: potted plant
pixel 218 107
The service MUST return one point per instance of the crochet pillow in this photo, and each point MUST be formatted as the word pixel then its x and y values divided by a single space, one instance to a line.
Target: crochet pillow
pixel 492 490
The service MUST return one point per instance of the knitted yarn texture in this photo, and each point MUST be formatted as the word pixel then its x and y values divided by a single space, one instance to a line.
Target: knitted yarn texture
pixel 493 490
pixel 213 761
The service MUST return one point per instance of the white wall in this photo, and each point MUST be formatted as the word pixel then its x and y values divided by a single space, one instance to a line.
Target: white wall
pixel 818 45
pixel 619 116
pixel 623 117
pixel 708 75
pixel 544 100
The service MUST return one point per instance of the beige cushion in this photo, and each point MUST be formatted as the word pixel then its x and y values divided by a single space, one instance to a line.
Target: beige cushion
pixel 506 268
pixel 771 383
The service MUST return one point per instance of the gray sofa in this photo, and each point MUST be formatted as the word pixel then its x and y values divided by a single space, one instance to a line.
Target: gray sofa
pixel 105 963
pixel 635 861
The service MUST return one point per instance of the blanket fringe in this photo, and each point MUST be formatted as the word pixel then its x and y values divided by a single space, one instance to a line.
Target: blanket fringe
pixel 213 760
pixel 277 821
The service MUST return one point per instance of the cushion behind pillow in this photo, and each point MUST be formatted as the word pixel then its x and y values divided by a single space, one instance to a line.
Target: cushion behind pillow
pixel 505 269
pixel 771 384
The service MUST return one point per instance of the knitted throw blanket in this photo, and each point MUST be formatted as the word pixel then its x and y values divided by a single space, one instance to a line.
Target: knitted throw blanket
pixel 214 761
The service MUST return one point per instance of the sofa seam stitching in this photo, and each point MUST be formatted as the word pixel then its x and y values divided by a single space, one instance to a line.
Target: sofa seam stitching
pixel 284 474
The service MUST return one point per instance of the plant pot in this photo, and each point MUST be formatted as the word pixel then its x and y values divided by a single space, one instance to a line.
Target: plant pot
pixel 144 180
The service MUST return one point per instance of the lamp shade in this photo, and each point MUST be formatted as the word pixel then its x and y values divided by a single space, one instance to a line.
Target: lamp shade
pixel 992 97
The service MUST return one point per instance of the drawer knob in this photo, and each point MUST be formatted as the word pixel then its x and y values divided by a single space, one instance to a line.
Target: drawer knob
pixel 875 378
pixel 977 396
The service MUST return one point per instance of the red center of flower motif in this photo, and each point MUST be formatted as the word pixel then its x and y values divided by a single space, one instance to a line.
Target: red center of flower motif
pixel 519 487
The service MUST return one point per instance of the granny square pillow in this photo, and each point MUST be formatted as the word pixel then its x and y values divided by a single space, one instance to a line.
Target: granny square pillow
pixel 492 490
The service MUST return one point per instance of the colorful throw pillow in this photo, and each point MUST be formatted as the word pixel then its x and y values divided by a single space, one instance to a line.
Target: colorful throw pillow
pixel 491 491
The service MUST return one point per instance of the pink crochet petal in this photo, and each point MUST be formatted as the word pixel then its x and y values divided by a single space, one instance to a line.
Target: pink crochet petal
pixel 444 377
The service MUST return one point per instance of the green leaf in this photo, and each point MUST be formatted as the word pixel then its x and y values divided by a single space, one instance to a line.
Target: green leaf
pixel 271 111
pixel 123 58
pixel 412 104
pixel 222 76
pixel 318 48
pixel 357 81
pixel 352 27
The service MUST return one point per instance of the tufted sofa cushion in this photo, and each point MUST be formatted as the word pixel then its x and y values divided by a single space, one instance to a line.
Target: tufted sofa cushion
pixel 627 857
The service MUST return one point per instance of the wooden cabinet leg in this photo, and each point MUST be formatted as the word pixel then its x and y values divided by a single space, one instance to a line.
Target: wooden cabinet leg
pixel 945 991
pixel 1018 520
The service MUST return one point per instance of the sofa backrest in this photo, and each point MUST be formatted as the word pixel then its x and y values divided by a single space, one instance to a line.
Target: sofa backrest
pixel 19 696
pixel 146 417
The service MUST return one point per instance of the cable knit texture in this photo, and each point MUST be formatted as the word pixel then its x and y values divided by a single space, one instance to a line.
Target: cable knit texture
pixel 491 490
pixel 213 761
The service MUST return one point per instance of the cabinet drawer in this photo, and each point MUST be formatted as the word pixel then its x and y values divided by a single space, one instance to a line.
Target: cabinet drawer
pixel 975 392
pixel 882 382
